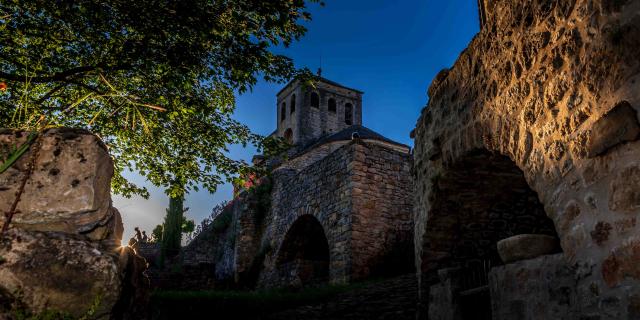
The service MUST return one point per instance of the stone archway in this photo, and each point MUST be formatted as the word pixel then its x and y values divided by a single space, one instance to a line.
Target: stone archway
pixel 303 258
pixel 562 104
pixel 478 200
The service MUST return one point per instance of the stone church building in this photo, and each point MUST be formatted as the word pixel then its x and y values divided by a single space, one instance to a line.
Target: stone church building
pixel 340 205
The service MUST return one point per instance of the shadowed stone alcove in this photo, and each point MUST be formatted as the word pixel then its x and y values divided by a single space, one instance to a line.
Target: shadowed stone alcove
pixel 304 255
pixel 477 201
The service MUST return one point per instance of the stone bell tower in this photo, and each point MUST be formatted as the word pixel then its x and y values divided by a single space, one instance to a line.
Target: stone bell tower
pixel 306 114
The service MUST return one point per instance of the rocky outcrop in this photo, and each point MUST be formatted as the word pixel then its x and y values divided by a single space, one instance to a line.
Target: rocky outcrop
pixel 69 189
pixel 62 252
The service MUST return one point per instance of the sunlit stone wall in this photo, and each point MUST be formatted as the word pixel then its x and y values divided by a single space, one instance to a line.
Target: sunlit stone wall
pixel 555 87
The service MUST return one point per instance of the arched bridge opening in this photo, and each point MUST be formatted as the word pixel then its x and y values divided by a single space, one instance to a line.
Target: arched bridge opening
pixel 303 259
pixel 477 201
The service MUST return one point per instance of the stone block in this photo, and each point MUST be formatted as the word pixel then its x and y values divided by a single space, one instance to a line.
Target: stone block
pixel 526 246
pixel 618 125
pixel 624 193
pixel 541 288
pixel 70 188
pixel 622 263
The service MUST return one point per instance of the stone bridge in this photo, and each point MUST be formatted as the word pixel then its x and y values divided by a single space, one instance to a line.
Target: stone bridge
pixel 343 218
pixel 337 212
pixel 534 130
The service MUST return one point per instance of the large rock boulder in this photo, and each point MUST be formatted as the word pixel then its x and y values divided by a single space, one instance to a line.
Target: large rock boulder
pixel 57 272
pixel 62 252
pixel 69 189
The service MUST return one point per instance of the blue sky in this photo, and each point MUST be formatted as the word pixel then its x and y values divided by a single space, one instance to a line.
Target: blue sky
pixel 390 49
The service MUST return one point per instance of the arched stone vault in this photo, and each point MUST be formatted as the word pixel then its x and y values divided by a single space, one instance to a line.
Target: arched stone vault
pixel 554 86
pixel 304 253
pixel 477 201
pixel 338 258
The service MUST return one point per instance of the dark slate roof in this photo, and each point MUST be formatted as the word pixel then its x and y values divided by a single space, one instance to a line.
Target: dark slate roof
pixel 346 134
pixel 325 80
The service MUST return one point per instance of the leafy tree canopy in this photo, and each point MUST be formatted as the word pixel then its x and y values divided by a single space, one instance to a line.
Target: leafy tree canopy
pixel 155 79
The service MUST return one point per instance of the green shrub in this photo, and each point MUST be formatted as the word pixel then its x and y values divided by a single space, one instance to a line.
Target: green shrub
pixel 222 221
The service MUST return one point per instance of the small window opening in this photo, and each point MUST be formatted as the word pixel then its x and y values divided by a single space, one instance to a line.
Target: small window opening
pixel 348 114
pixel 283 111
pixel 293 103
pixel 332 105
pixel 315 100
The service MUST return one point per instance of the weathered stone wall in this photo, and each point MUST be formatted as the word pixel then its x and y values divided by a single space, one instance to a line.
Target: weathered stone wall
pixel 352 199
pixel 62 251
pixel 382 190
pixel 309 123
pixel 323 191
pixel 361 195
pixel 555 87
pixel 540 288
pixel 312 156
pixel 225 252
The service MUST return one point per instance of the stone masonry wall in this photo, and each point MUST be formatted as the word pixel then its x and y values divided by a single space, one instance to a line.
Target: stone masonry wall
pixel 312 156
pixel 322 190
pixel 555 87
pixel 382 241
pixel 361 195
pixel 540 288
pixel 224 253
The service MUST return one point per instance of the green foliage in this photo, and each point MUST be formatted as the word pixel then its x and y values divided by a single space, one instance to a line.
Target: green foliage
pixel 188 226
pixel 156 80
pixel 172 230
pixel 11 155
pixel 222 221
pixel 157 233
pixel 45 315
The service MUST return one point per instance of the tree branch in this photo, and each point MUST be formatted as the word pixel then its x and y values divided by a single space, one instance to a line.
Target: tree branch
pixel 63 75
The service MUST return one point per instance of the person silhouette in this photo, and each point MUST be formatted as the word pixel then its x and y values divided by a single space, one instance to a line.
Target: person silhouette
pixel 138 234
pixel 145 238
